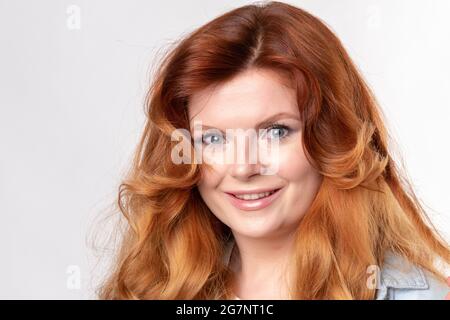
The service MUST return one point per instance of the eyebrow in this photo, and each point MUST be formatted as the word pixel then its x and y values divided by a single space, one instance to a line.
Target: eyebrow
pixel 272 118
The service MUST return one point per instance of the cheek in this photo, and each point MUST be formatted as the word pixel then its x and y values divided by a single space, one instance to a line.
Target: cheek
pixel 293 164
pixel 303 180
pixel 208 187
pixel 210 178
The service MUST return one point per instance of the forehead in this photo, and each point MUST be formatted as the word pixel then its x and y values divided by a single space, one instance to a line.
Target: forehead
pixel 250 96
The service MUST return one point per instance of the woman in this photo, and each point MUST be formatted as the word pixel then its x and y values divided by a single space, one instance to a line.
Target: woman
pixel 327 215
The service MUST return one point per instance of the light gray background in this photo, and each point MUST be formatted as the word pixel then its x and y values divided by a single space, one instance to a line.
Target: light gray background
pixel 71 112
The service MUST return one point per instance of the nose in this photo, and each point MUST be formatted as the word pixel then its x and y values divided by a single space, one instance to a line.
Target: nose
pixel 246 163
pixel 244 171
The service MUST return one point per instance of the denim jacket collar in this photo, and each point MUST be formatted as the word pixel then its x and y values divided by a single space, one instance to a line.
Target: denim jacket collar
pixel 399 273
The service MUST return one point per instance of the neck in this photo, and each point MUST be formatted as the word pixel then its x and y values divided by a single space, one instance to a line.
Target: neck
pixel 261 266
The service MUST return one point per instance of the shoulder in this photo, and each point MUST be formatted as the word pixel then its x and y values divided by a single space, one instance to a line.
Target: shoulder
pixel 402 280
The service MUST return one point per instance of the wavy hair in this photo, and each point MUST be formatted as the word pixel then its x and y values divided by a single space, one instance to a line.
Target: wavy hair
pixel 173 246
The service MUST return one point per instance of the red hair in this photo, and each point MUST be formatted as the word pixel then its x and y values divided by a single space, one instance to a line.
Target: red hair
pixel 173 245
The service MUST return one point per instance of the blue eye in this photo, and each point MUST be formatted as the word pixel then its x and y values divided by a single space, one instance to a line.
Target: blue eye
pixel 215 138
pixel 278 130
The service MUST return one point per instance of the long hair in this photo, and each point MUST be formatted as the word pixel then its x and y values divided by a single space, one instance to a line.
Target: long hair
pixel 173 246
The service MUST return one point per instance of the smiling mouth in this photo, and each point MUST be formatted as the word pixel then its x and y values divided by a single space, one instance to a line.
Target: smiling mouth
pixel 256 196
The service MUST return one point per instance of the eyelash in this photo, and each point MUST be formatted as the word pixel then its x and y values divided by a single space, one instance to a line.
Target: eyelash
pixel 280 126
pixel 277 125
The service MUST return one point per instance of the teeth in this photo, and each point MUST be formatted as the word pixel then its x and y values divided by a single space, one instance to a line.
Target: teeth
pixel 253 196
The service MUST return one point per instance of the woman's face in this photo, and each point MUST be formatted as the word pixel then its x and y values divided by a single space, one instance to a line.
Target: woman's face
pixel 243 103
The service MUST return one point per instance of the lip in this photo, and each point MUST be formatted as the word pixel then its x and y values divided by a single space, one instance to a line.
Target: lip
pixel 239 192
pixel 252 205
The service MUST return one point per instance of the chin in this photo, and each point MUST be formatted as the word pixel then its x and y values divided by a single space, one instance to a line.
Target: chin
pixel 255 233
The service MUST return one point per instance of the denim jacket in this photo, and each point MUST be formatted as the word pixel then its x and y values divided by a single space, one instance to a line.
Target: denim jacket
pixel 402 280
pixel 399 280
